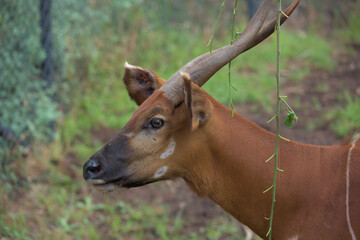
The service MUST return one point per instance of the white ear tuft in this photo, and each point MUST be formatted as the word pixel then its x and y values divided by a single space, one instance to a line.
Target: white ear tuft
pixel 126 65
pixel 129 66
pixel 185 76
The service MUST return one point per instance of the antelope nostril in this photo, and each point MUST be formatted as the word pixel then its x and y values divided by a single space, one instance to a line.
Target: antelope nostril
pixel 94 168
pixel 91 169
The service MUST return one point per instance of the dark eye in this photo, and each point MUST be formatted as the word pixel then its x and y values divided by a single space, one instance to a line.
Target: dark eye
pixel 157 123
pixel 141 81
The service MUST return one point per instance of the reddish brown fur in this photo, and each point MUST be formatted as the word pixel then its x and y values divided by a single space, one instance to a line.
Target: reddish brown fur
pixel 227 164
pixel 311 191
pixel 223 158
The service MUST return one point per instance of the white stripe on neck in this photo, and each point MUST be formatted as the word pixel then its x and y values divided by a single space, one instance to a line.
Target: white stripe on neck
pixel 355 139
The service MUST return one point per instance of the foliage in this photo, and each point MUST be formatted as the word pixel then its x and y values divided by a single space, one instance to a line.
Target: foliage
pixel 345 119
pixel 26 105
pixel 351 33
pixel 253 72
pixel 15 229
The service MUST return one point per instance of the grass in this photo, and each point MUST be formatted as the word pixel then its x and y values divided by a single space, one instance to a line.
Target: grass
pixel 345 119
pixel 61 213
pixel 351 34
pixel 14 226
pixel 254 71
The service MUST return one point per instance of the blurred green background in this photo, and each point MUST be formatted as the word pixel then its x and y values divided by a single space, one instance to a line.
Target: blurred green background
pixel 48 130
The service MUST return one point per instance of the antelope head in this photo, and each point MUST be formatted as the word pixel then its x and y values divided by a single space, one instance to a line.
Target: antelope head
pixel 147 148
pixel 162 137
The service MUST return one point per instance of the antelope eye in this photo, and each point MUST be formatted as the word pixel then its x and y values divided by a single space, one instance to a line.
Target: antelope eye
pixel 141 81
pixel 157 123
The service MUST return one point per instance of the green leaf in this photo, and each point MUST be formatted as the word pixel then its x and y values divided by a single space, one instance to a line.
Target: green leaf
pixel 290 120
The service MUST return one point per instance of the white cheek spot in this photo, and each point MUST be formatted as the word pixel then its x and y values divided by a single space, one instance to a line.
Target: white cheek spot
pixel 355 139
pixel 169 150
pixel 160 172
pixel 294 238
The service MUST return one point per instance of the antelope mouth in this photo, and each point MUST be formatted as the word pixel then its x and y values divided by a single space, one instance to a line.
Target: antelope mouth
pixel 107 186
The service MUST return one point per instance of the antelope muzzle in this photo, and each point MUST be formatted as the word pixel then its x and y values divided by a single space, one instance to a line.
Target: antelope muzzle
pixel 106 169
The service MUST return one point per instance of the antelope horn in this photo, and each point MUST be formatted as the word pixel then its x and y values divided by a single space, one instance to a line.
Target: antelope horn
pixel 202 68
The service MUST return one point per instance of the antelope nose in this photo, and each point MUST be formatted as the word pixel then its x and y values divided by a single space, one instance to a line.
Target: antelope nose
pixel 91 169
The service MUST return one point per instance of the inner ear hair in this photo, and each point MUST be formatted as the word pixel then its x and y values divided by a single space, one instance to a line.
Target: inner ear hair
pixel 187 90
pixel 199 106
pixel 140 82
pixel 142 76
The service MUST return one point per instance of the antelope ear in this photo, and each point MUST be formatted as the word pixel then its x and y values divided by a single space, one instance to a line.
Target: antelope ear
pixel 140 82
pixel 200 107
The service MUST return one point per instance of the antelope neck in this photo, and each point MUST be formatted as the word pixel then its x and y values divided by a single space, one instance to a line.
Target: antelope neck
pixel 237 175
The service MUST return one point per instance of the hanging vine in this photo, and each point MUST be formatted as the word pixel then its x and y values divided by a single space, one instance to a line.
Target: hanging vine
pixel 291 116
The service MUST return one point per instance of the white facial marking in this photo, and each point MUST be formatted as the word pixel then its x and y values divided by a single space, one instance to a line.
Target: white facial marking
pixel 106 187
pixel 96 181
pixel 355 139
pixel 294 238
pixel 160 172
pixel 169 150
